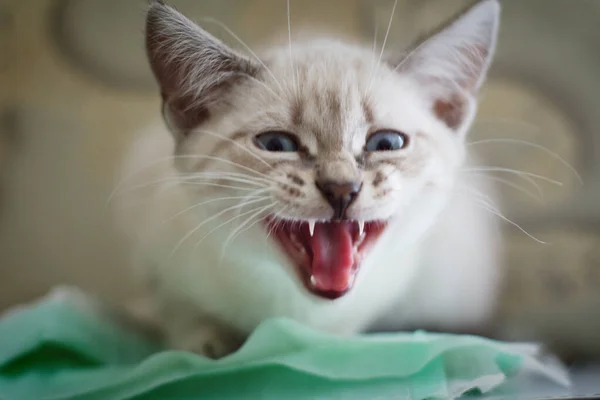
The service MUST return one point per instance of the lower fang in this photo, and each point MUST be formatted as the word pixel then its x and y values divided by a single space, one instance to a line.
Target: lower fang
pixel 313 281
pixel 351 280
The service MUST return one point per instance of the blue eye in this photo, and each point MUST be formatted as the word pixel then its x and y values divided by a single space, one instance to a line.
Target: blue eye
pixel 386 141
pixel 276 141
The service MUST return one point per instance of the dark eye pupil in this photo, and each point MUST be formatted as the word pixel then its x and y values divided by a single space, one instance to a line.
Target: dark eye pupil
pixel 274 145
pixel 385 145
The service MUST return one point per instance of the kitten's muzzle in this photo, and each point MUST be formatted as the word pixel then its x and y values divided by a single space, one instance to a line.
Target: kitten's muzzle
pixel 339 195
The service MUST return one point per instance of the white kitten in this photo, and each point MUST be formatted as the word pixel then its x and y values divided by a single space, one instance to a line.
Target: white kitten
pixel 319 184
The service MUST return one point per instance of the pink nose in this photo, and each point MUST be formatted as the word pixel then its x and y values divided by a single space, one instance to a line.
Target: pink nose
pixel 339 195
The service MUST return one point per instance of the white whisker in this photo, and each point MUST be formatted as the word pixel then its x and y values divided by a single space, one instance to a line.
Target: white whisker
pixel 201 180
pixel 526 178
pixel 214 158
pixel 186 181
pixel 513 171
pixel 131 175
pixel 413 52
pixel 534 145
pixel 517 187
pixel 246 225
pixel 387 33
pixel 250 180
pixel 239 210
pixel 293 69
pixel 211 218
pixel 278 221
pixel 509 221
pixel 489 206
pixel 222 174
pixel 218 199
pixel 373 58
pixel 264 85
pixel 192 157
pixel 240 146
pixel 236 37
pixel 230 220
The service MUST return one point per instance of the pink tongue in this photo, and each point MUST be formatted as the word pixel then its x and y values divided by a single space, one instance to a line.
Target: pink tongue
pixel 333 256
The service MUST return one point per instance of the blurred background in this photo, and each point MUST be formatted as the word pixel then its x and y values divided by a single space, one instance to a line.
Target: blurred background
pixel 74 88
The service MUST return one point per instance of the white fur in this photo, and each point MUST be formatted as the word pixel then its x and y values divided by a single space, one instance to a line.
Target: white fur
pixel 435 265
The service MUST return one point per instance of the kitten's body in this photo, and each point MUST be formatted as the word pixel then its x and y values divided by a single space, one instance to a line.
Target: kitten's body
pixel 435 263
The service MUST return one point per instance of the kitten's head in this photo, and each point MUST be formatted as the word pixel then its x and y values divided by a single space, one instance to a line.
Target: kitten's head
pixel 331 144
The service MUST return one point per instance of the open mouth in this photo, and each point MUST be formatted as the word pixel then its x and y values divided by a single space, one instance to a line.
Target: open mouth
pixel 326 254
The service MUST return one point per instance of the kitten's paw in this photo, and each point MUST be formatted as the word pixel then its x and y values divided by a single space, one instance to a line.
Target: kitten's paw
pixel 209 340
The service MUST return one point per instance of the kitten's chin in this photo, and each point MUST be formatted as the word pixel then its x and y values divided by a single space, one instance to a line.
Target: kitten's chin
pixel 327 255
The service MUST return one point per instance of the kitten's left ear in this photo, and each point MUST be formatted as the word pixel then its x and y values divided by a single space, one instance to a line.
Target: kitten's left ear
pixel 452 64
pixel 194 69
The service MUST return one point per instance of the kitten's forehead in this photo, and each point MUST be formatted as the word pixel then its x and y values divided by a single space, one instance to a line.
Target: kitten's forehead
pixel 322 65
pixel 326 85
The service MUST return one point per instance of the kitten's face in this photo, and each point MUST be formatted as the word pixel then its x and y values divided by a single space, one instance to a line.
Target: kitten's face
pixel 331 146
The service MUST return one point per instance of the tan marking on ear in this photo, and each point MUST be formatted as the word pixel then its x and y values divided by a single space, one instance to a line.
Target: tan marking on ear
pixel 450 111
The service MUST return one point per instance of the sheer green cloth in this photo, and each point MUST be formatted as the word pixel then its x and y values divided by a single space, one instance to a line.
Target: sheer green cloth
pixel 58 350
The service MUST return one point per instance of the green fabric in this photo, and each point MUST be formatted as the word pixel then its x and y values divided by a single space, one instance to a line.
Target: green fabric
pixel 57 350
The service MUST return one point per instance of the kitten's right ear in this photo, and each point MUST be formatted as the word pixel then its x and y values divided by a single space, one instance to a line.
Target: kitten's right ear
pixel 194 69
pixel 451 65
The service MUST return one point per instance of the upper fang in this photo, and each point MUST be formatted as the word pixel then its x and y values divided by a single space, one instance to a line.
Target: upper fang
pixel 361 227
pixel 311 227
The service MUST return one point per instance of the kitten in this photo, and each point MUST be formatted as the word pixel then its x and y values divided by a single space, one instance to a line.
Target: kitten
pixel 317 182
